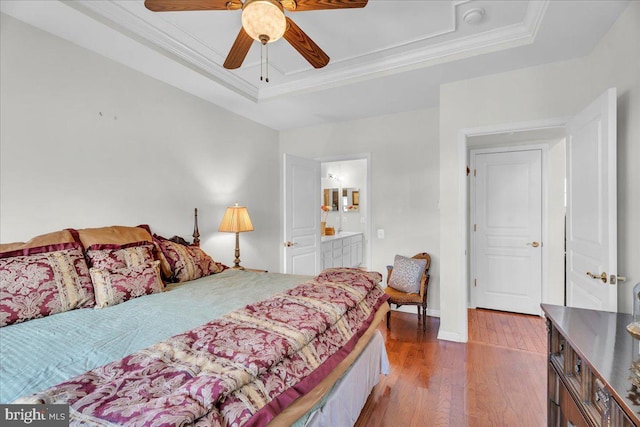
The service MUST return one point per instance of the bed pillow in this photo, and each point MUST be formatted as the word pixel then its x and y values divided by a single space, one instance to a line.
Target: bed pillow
pixel 57 237
pixel 407 274
pixel 37 282
pixel 114 235
pixel 112 257
pixel 115 286
pixel 165 267
pixel 187 262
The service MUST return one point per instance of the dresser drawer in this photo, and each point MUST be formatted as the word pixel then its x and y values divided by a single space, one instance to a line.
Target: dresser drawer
pixel 574 371
pixel 553 384
pixel 570 415
pixel 586 388
pixel 586 384
pixel 618 417
pixel 599 401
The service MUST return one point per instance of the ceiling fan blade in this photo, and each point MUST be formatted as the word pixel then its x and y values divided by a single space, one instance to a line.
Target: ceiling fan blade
pixel 302 5
pixel 181 5
pixel 238 51
pixel 304 45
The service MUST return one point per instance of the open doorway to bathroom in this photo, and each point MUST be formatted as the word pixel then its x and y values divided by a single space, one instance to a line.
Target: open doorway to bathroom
pixel 345 198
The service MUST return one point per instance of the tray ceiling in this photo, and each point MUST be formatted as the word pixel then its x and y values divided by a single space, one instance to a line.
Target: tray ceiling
pixel 390 56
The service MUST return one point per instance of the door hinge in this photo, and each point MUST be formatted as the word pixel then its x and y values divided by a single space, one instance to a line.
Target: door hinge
pixel 475 172
pixel 475 282
pixel 468 170
pixel 474 228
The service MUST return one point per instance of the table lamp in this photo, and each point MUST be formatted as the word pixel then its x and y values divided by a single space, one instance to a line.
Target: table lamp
pixel 236 220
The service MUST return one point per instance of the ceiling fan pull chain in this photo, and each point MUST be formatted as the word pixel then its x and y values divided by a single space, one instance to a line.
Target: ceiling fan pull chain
pixel 261 62
pixel 267 65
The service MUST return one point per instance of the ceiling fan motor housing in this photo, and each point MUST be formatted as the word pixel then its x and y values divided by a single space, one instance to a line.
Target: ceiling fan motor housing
pixel 264 20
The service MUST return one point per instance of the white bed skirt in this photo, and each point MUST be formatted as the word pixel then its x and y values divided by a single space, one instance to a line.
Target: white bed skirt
pixel 350 393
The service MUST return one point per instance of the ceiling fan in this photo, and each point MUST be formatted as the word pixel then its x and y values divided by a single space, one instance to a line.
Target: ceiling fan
pixel 263 21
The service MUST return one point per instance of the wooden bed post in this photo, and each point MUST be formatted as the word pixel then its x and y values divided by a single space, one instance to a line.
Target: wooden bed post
pixel 196 232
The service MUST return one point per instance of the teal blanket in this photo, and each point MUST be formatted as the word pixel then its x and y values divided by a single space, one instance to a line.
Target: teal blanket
pixel 40 353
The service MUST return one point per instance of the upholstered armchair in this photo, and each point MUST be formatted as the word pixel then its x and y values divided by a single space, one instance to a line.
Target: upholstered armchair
pixel 408 286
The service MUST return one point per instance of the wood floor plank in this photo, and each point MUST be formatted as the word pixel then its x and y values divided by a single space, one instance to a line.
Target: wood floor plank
pixel 498 378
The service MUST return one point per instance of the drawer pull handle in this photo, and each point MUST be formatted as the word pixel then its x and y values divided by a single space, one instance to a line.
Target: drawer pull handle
pixel 601 393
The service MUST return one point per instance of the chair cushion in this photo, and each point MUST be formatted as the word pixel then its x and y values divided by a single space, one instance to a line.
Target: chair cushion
pixel 407 274
pixel 398 297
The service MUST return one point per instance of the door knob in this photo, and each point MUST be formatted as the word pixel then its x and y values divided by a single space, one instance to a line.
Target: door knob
pixel 289 244
pixel 602 276
pixel 534 244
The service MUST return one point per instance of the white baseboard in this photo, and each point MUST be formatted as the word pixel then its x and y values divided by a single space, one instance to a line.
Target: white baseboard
pixel 450 336
pixel 413 310
pixel 442 335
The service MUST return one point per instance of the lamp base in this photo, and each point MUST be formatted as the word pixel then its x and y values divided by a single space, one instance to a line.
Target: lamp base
pixel 237 267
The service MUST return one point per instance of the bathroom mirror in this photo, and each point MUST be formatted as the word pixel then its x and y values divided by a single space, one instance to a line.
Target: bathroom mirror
pixel 331 197
pixel 350 199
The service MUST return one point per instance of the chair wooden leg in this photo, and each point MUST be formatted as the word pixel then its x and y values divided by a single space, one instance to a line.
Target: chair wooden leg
pixel 388 317
pixel 424 319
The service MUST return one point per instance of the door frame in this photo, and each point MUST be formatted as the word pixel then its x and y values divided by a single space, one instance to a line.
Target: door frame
pixel 544 218
pixel 463 204
pixel 367 260
pixel 369 226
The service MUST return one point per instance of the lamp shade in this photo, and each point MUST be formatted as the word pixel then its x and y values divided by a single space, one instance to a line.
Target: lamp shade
pixel 236 220
pixel 264 20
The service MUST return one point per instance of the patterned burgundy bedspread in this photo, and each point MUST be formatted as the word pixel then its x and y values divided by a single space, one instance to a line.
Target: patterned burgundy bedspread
pixel 241 369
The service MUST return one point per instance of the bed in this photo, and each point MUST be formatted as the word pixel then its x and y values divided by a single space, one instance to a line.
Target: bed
pixel 180 337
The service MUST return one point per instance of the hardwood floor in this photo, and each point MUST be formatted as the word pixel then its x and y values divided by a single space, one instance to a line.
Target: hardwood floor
pixel 498 378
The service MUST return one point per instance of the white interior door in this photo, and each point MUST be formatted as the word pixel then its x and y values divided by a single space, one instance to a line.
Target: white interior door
pixel 508 230
pixel 301 215
pixel 592 206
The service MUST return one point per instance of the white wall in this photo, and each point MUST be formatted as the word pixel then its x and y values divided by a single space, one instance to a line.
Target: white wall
pixel 545 92
pixel 87 142
pixel 404 180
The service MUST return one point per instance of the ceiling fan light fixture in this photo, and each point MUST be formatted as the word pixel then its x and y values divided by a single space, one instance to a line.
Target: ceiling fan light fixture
pixel 264 20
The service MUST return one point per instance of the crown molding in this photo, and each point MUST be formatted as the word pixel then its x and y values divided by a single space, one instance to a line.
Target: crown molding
pixel 122 20
pixel 371 65
pixel 376 65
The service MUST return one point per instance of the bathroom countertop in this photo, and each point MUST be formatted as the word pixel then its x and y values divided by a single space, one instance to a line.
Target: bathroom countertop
pixel 340 235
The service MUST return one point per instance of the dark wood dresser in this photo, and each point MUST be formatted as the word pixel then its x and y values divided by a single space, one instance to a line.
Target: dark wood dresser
pixel 590 356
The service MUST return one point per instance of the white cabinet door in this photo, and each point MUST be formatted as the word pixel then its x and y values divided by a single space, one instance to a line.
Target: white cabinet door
pixel 327 255
pixel 356 251
pixel 346 253
pixel 337 253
